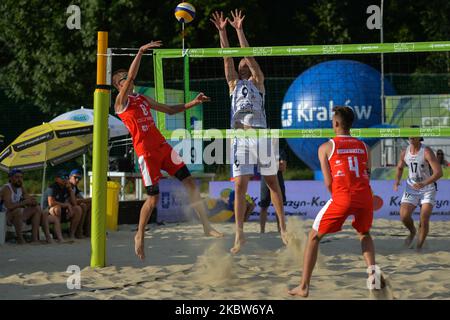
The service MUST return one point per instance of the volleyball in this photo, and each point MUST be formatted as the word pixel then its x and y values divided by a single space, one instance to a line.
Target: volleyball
pixel 185 12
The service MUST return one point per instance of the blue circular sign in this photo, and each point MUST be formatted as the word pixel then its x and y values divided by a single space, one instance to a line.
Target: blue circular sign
pixel 309 101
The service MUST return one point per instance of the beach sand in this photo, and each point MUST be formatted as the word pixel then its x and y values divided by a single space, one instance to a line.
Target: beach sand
pixel 181 263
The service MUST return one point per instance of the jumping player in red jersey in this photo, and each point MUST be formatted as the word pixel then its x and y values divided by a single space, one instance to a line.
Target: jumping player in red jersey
pixel 151 147
pixel 345 164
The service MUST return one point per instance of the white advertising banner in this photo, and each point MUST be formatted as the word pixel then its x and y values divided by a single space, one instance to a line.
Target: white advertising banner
pixel 306 198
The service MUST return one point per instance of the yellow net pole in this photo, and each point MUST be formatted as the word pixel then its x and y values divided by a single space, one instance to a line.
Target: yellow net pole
pixel 100 157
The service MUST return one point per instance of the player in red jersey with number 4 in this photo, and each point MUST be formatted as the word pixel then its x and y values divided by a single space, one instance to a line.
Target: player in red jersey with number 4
pixel 345 164
pixel 151 147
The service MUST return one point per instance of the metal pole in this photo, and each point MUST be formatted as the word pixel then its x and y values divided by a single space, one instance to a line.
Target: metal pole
pixel 383 151
pixel 43 183
pixel 100 157
pixel 84 175
pixel 182 37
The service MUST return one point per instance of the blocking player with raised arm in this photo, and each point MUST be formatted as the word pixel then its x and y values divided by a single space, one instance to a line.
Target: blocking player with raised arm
pixel 152 149
pixel 345 164
pixel 247 111
pixel 423 172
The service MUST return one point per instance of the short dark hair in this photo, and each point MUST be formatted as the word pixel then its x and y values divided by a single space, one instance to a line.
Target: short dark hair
pixel 416 126
pixel 345 115
pixel 62 174
pixel 14 171
pixel 117 75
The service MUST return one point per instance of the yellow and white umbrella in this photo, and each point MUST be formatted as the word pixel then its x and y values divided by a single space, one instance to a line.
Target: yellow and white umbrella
pixel 48 143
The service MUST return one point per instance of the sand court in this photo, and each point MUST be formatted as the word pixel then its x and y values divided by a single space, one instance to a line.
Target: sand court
pixel 183 264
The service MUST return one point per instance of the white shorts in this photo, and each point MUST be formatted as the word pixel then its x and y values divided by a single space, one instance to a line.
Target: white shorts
pixel 416 197
pixel 249 152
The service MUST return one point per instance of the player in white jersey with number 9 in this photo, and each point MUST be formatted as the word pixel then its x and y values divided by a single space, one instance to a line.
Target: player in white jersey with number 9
pixel 247 112
pixel 424 171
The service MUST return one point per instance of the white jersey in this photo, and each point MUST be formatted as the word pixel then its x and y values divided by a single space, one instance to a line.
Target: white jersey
pixel 419 169
pixel 247 105
pixel 16 197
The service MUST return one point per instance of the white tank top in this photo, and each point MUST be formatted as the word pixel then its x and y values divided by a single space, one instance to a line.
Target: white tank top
pixel 16 197
pixel 247 105
pixel 419 169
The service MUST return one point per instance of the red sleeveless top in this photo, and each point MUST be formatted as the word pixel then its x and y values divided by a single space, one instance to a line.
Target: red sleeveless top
pixel 348 163
pixel 137 117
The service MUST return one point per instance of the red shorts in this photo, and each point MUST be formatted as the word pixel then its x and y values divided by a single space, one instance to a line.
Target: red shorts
pixel 333 215
pixel 165 159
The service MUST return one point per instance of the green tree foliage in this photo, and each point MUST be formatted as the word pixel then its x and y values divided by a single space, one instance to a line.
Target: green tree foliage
pixel 52 67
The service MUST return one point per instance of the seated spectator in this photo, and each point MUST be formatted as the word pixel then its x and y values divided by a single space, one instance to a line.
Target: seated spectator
pixel 85 204
pixel 61 203
pixel 441 158
pixel 21 207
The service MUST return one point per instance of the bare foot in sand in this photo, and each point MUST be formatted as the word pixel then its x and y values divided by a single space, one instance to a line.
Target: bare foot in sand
pixel 284 237
pixel 21 240
pixel 409 239
pixel 139 246
pixel 299 291
pixel 238 242
pixel 211 232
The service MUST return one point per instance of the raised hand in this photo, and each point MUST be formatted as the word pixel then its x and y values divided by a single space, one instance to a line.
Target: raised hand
pixel 238 19
pixel 219 21
pixel 152 44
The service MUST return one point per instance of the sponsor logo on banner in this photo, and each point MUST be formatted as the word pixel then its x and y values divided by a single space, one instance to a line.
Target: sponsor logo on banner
pixel 174 204
pixel 80 117
pixel 306 198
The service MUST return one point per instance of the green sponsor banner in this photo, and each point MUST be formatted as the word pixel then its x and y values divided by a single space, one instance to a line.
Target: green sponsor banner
pixel 313 133
pixel 308 50
pixel 426 111
pixel 427 121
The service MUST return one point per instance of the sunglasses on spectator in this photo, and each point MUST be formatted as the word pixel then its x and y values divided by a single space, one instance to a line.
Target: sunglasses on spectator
pixel 78 178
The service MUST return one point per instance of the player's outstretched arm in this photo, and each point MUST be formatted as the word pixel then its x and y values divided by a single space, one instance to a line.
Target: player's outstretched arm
pixel 324 153
pixel 127 88
pixel 237 23
pixel 399 170
pixel 173 109
pixel 230 71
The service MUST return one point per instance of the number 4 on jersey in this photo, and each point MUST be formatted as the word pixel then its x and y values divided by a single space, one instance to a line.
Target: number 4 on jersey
pixel 353 165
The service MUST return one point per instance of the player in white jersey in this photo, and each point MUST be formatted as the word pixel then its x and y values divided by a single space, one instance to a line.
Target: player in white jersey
pixel 424 171
pixel 247 106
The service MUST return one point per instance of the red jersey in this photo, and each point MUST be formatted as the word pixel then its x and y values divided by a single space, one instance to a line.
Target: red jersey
pixel 348 163
pixel 350 188
pixel 136 116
